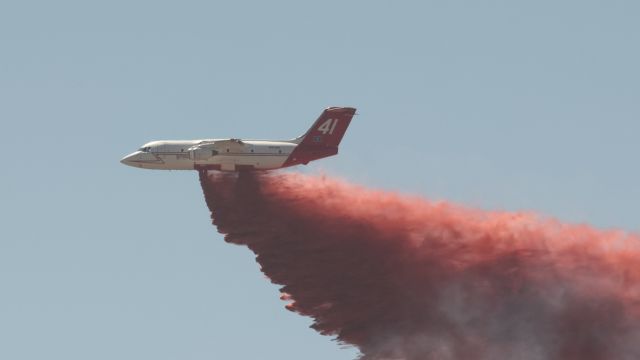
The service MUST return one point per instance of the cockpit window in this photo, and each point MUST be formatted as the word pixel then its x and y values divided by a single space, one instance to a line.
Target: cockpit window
pixel 145 149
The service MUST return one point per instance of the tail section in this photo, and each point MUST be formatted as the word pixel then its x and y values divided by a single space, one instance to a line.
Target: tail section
pixel 323 138
pixel 329 129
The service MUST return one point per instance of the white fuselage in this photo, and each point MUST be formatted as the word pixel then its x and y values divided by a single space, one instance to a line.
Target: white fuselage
pixel 220 154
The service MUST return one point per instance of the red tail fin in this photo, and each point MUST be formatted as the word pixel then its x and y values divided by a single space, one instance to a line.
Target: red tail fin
pixel 323 138
pixel 330 127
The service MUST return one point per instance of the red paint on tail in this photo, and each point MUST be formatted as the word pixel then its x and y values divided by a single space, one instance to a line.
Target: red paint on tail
pixel 324 136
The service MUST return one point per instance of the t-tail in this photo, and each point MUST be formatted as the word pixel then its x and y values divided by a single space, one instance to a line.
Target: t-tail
pixel 323 138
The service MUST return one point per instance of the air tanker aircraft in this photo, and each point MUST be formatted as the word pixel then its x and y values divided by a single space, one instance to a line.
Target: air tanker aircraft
pixel 320 141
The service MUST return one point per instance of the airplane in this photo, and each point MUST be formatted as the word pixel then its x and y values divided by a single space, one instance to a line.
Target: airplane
pixel 320 141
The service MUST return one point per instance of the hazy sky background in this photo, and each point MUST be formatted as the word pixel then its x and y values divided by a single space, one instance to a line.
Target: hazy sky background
pixel 514 105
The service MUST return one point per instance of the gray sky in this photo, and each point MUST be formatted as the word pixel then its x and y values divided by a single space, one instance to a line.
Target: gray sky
pixel 496 104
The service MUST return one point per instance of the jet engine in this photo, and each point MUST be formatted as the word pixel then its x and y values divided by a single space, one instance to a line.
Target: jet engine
pixel 202 152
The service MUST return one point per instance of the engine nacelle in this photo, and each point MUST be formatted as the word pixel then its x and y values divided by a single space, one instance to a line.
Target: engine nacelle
pixel 199 154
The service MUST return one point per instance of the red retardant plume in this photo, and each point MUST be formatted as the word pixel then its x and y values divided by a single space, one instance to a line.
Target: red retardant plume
pixel 405 278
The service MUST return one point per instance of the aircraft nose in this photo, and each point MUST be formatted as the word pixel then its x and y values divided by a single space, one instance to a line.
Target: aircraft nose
pixel 142 160
pixel 128 160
